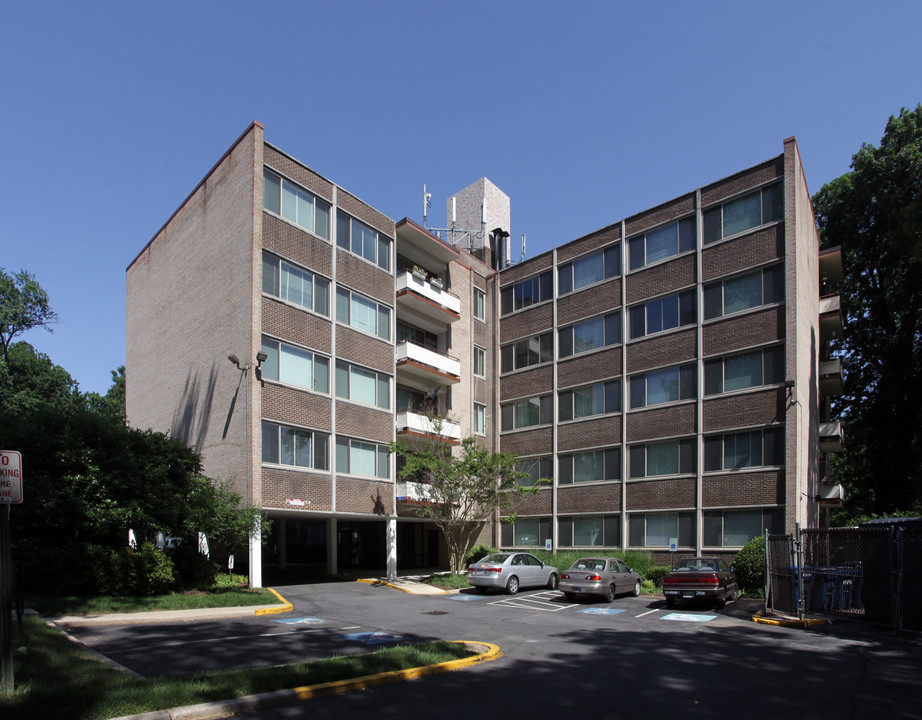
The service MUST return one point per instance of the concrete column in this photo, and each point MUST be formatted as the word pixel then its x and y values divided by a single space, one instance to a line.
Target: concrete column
pixel 391 549
pixel 332 561
pixel 256 557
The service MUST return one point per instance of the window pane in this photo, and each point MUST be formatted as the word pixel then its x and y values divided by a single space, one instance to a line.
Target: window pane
pixel 713 377
pixel 713 454
pixel 712 229
pixel 773 203
pixel 636 530
pixel 743 293
pixel 713 529
pixel 342 455
pixel 637 321
pixel 289 202
pixel 565 406
pixel 774 366
pixel 342 229
pixel 612 531
pixel 384 465
pixel 586 271
pixel 687 308
pixel 364 314
pixel 663 459
pixel 362 458
pixel 587 532
pixel 662 386
pixel 588 466
pixel 662 243
pixel 565 279
pixel 589 335
pixel 773 284
pixel 638 391
pixel 565 342
pixel 321 296
pixel 612 402
pixel 305 209
pixel 613 329
pixel 384 253
pixel 270 366
pixel 687 233
pixel 384 322
pixel 661 527
pixel 362 385
pixel 526 532
pixel 270 274
pixel 583 402
pixel 743 214
pixel 322 219
pixel 612 261
pixel 507 417
pixel 613 464
pixel 688 382
pixel 565 469
pixel 506 355
pixel 636 251
pixel 272 184
pixel 713 295
pixel 321 374
pixel 743 371
pixel 384 392
pixel 270 443
pixel 342 305
pixel 295 367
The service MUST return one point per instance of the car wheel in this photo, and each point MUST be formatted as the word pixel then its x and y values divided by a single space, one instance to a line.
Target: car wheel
pixel 512 587
pixel 610 593
pixel 570 596
pixel 636 592
pixel 670 602
pixel 552 582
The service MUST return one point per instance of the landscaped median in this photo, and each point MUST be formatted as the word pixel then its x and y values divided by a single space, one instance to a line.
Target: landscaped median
pixel 484 652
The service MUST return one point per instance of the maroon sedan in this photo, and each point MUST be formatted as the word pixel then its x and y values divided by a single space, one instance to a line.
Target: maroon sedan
pixel 700 578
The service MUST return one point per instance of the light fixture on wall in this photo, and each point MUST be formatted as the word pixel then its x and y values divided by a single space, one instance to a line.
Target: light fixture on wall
pixel 261 357
pixel 234 359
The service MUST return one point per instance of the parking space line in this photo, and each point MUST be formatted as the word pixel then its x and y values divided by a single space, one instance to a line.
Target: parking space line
pixel 648 612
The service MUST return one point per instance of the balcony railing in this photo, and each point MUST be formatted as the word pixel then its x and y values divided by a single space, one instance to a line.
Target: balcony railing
pixel 830 318
pixel 413 492
pixel 425 365
pixel 831 378
pixel 415 427
pixel 831 437
pixel 425 298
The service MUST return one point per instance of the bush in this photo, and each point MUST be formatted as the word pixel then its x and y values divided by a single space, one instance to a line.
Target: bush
pixel 193 570
pixel 749 566
pixel 656 574
pixel 153 571
pixel 478 552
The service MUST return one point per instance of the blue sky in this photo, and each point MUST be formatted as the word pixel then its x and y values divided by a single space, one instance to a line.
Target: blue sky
pixel 582 112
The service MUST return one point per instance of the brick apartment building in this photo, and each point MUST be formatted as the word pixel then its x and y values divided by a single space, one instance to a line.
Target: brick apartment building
pixel 669 372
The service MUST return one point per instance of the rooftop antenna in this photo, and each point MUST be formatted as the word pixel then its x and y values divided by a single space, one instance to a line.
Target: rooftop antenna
pixel 427 200
pixel 523 246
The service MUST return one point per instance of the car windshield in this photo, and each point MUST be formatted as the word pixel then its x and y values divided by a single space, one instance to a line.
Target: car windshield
pixel 496 558
pixel 588 564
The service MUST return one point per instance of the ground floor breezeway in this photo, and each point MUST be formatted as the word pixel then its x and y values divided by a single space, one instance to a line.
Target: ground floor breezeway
pixel 302 546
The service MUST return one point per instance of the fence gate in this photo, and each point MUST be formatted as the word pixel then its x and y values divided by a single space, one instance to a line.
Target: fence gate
pixel 870 573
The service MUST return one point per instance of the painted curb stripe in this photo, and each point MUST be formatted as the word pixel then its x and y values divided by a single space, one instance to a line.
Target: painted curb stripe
pixel 285 607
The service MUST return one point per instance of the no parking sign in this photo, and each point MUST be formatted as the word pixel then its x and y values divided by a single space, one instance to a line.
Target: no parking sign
pixel 10 477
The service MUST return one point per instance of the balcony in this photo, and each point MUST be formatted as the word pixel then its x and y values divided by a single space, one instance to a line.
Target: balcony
pixel 830 318
pixel 831 378
pixel 831 495
pixel 423 367
pixel 428 305
pixel 415 429
pixel 413 493
pixel 831 437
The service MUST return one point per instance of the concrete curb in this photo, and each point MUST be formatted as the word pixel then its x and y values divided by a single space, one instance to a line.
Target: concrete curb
pixel 759 617
pixel 227 708
pixel 285 607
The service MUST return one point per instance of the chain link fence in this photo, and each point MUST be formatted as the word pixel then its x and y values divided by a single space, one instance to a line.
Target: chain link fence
pixel 871 573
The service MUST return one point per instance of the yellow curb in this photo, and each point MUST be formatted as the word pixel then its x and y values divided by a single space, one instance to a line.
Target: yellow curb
pixel 385 583
pixel 272 611
pixel 492 652
pixel 759 618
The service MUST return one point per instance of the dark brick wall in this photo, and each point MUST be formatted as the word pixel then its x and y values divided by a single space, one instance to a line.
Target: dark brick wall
pixel 661 494
pixel 742 489
pixel 601 298
pixel 582 369
pixel 526 323
pixel 527 383
pixel 363 349
pixel 672 210
pixel 767 171
pixel 672 348
pixel 665 278
pixel 594 498
pixel 528 442
pixel 750 409
pixel 578 434
pixel 589 243
pixel 655 423
pixel 751 250
pixel 738 332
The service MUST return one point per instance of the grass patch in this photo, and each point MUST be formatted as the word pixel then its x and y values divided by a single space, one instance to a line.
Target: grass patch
pixel 226 592
pixel 55 678
pixel 448 581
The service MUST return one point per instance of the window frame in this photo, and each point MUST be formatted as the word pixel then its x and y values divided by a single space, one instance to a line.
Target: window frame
pixel 280 213
pixel 683 244
pixel 479 424
pixel 771 450
pixel 770 518
pixel 541 462
pixel 685 537
pixel 314 356
pixel 545 351
pixel 605 394
pixel 510 410
pixel 544 289
pixel 380 307
pixel 608 259
pixel 686 453
pixel 479 304
pixel 379 376
pixel 381 455
pixel 777 364
pixel 346 240
pixel 610 533
pixel 684 316
pixel 318 282
pixel 771 210
pixel 686 384
pixel 480 353
pixel 771 292
pixel 318 439
pixel 610 462
pixel 610 321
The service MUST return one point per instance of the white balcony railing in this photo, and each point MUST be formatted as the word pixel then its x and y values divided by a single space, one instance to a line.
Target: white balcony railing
pixel 422 361
pixel 414 424
pixel 413 492
pixel 832 438
pixel 425 289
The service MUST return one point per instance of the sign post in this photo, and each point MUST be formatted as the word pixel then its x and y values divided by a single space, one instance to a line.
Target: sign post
pixel 10 492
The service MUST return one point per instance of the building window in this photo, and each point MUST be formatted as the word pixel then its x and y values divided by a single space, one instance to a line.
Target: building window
pixel 662 314
pixel 417 335
pixel 744 213
pixel 362 240
pixel 528 292
pixel 735 528
pixel 736 451
pixel 295 366
pixel 738 372
pixel 660 529
pixel 743 292
pixel 284 445
pixel 527 412
pixel 589 466
pixel 295 285
pixel 357 457
pixel 535 469
pixel 362 385
pixel 480 304
pixel 525 532
pixel 661 243
pixel 362 313
pixel 589 531
pixel 664 386
pixel 598 332
pixel 673 457
pixel 597 399
pixel 480 419
pixel 525 353
pixel 480 362
pixel 589 270
pixel 294 203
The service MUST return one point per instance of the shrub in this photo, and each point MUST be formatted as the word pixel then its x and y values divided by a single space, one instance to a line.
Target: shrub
pixel 478 552
pixel 153 571
pixel 192 569
pixel 656 573
pixel 749 565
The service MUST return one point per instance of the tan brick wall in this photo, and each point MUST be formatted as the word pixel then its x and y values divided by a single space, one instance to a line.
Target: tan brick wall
pixel 372 497
pixel 537 504
pixel 363 422
pixel 280 485
pixel 297 245
pixel 281 320
pixel 360 275
pixel 295 171
pixel 297 407
pixel 363 349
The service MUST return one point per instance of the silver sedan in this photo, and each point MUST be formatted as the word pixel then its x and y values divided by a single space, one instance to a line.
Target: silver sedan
pixel 510 571
pixel 599 576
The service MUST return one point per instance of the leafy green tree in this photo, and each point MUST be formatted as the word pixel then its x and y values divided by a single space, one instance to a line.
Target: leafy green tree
pixel 23 306
pixel 465 491
pixel 874 212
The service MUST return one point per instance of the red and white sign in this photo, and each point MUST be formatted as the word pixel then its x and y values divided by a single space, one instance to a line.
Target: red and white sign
pixel 10 477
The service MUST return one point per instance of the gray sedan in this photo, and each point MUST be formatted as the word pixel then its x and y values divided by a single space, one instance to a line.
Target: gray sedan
pixel 606 577
pixel 510 571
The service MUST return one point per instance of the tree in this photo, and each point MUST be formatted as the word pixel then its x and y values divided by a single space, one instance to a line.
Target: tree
pixel 874 212
pixel 465 490
pixel 23 306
